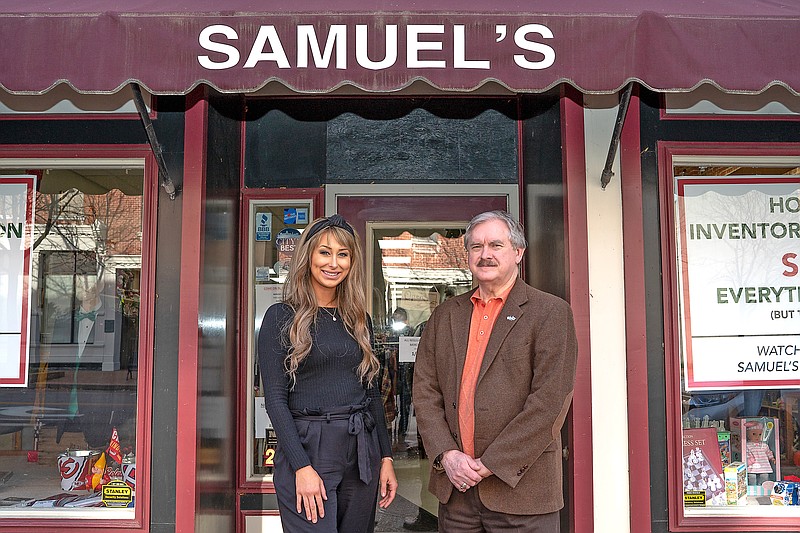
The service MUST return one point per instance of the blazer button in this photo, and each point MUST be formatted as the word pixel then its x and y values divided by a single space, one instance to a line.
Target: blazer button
pixel 519 473
pixel 455 436
pixel 454 405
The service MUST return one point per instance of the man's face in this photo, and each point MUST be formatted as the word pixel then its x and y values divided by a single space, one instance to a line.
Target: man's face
pixel 492 259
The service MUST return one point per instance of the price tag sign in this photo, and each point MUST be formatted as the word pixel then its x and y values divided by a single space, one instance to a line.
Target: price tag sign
pixel 408 349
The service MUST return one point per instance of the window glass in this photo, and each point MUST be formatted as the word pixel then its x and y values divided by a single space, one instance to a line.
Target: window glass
pixel 414 268
pixel 274 228
pixel 70 435
pixel 64 275
pixel 392 141
pixel 737 231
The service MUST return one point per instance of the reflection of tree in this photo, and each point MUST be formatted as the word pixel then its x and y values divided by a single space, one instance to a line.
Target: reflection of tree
pixel 77 237
pixel 749 256
pixel 108 223
pixel 76 234
pixel 128 293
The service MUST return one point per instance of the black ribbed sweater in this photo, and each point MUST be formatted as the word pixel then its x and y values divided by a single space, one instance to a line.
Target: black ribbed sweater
pixel 326 378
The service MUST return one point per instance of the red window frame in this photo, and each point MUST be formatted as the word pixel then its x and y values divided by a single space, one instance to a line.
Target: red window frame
pixel 317 197
pixel 667 152
pixel 141 520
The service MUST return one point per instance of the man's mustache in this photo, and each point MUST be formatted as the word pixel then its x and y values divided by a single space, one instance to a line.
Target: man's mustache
pixel 486 263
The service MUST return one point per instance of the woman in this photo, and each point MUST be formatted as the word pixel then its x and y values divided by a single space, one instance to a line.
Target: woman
pixel 319 372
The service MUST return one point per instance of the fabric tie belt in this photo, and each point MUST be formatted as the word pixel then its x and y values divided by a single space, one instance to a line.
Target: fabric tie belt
pixel 360 423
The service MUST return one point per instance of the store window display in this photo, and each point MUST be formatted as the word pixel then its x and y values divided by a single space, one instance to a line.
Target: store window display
pixel 739 374
pixel 73 429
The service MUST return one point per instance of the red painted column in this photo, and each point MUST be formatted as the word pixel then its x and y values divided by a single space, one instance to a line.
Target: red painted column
pixel 192 201
pixel 635 321
pixel 580 445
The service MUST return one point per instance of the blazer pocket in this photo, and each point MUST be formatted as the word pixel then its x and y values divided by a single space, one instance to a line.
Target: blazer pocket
pixel 516 350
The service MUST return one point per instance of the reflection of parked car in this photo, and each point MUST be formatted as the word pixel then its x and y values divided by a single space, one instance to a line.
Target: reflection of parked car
pixel 723 405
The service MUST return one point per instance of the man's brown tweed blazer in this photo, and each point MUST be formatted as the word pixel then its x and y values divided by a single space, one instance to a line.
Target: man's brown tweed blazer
pixel 521 400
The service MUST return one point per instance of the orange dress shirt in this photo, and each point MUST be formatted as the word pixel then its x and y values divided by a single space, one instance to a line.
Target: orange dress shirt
pixel 484 315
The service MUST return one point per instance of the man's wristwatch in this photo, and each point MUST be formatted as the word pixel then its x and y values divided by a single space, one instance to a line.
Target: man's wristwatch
pixel 437 463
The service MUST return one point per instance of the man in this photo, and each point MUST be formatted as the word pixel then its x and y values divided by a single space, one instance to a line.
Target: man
pixel 400 328
pixel 494 375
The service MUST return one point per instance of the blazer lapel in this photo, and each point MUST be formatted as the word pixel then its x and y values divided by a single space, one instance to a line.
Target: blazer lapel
pixel 509 316
pixel 459 322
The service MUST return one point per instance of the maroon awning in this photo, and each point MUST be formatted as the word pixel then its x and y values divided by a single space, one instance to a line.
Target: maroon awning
pixel 598 46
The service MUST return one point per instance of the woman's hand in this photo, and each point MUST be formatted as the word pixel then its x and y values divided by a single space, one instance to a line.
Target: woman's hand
pixel 311 493
pixel 388 483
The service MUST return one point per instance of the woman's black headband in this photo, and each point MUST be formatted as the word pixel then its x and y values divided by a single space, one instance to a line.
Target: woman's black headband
pixel 333 221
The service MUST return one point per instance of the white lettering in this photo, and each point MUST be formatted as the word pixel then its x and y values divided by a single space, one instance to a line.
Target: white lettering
pixel 414 45
pixel 307 38
pixel 267 33
pixel 229 50
pixel 423 41
pixel 548 53
pixel 362 52
pixel 460 51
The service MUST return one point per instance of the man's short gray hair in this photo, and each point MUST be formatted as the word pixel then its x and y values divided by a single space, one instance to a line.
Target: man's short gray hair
pixel 515 232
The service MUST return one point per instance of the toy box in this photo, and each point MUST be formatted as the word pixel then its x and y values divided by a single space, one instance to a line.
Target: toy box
pixel 724 441
pixel 736 484
pixel 759 448
pixel 736 441
pixel 702 465
pixel 785 493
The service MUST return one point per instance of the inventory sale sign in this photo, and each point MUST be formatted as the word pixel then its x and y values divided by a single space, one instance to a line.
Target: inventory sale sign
pixel 738 243
pixel 16 232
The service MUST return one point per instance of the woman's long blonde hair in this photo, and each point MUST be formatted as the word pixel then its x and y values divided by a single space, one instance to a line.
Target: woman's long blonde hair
pixel 299 294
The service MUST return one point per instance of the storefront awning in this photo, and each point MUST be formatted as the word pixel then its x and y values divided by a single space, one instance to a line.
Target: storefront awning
pixel 310 46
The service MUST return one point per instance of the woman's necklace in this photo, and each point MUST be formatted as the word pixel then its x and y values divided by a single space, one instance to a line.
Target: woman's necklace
pixel 329 312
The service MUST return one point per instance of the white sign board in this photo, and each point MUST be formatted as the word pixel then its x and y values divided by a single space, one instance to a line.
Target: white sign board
pixel 739 264
pixel 263 423
pixel 16 236
pixel 266 295
pixel 408 349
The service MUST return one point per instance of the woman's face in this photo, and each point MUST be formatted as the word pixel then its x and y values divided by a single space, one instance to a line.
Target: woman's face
pixel 330 264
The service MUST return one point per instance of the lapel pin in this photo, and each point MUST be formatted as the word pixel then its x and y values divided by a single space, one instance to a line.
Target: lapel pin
pixel 511 317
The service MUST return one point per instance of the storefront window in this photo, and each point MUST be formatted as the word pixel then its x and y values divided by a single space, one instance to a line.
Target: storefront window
pixel 736 232
pixel 63 275
pixel 68 437
pixel 274 227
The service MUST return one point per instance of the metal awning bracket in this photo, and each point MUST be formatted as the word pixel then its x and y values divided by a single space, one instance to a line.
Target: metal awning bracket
pixel 624 101
pixel 152 140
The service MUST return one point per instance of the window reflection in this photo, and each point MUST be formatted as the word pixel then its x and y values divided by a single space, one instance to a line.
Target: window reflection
pixel 275 225
pixel 414 269
pixel 72 430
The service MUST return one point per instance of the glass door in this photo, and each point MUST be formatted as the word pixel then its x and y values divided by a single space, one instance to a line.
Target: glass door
pixel 416 259
pixel 414 267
